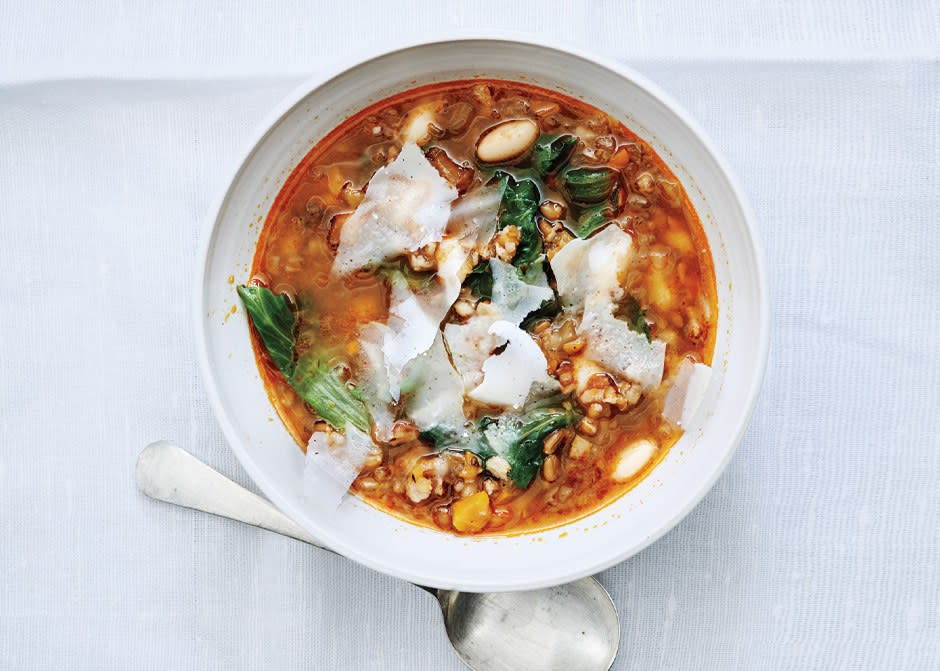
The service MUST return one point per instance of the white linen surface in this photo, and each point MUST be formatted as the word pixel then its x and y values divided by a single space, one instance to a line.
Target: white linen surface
pixel 818 549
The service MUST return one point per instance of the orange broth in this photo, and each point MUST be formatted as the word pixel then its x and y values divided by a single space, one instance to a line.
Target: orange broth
pixel 671 276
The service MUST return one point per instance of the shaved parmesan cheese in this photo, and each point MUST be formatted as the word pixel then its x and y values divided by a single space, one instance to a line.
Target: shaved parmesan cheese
pixel 410 331
pixel 621 351
pixel 333 461
pixel 407 206
pixel 372 378
pixel 501 434
pixel 451 271
pixel 435 389
pixel 685 396
pixel 414 319
pixel 470 344
pixel 513 297
pixel 474 216
pixel 589 272
pixel 509 375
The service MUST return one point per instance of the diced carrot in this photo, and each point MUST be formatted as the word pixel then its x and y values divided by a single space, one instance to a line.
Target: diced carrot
pixel 472 513
pixel 620 158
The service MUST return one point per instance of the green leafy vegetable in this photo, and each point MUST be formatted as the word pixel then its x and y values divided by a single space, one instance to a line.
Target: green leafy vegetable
pixel 480 280
pixel 547 310
pixel 551 151
pixel 519 207
pixel 417 281
pixel 525 455
pixel 519 439
pixel 318 385
pixel 635 316
pixel 440 436
pixel 592 218
pixel 470 439
pixel 274 322
pixel 321 387
pixel 589 185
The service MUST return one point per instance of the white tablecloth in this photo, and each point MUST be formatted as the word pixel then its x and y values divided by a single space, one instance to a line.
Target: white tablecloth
pixel 818 549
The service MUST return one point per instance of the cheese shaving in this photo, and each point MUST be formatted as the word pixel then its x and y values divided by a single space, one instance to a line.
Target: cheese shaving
pixel 414 318
pixel 509 375
pixel 435 390
pixel 332 463
pixel 407 206
pixel 589 272
pixel 686 393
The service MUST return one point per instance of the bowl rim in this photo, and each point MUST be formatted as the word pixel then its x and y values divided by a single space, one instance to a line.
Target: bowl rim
pixel 363 57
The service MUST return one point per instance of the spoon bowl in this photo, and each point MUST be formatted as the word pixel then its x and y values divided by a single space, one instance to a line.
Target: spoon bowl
pixel 567 627
pixel 570 627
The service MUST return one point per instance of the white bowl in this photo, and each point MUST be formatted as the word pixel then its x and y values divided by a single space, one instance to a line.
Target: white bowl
pixel 421 555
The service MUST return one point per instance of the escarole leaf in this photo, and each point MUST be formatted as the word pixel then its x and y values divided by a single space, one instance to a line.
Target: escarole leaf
pixel 519 207
pixel 480 280
pixel 274 322
pixel 417 281
pixel 591 219
pixel 635 316
pixel 468 439
pixel 317 384
pixel 598 194
pixel 589 185
pixel 547 310
pixel 517 438
pixel 551 151
pixel 440 437
pixel 321 387
pixel 525 454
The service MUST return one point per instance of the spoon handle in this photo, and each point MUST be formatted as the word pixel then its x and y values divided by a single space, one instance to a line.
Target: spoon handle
pixel 169 473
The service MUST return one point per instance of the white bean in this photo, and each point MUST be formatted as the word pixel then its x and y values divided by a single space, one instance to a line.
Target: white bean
pixel 633 458
pixel 417 125
pixel 507 140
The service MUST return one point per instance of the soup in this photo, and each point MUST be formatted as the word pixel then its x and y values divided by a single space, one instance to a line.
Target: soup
pixel 483 307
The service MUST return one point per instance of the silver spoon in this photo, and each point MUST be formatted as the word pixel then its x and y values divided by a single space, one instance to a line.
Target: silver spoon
pixel 568 627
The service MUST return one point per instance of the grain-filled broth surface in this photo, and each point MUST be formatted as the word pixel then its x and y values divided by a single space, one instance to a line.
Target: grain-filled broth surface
pixel 602 427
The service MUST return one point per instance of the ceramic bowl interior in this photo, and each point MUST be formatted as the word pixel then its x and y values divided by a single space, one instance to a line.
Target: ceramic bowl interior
pixel 421 555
